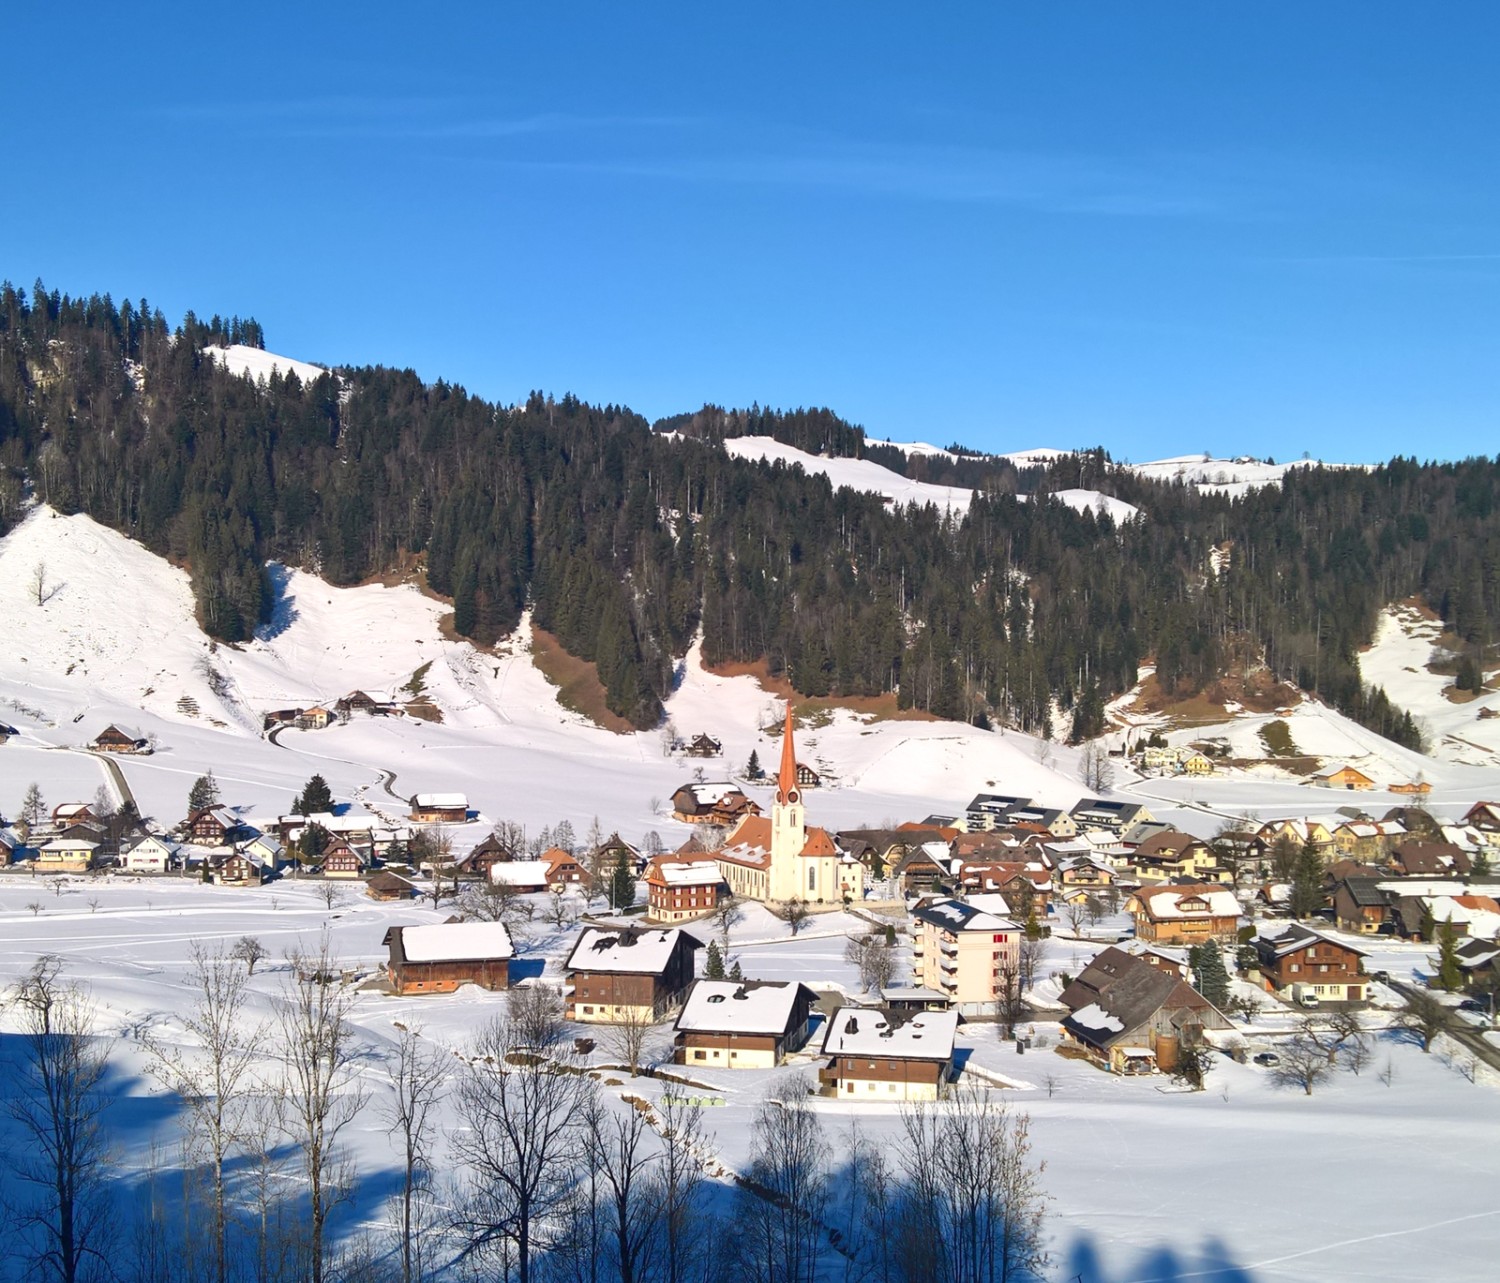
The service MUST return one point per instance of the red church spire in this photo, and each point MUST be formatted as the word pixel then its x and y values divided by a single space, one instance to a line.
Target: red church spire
pixel 786 778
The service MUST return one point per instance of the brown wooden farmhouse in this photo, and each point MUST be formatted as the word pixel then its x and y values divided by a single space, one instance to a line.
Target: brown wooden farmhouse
pixel 742 1024
pixel 440 957
pixel 628 974
pixel 876 1053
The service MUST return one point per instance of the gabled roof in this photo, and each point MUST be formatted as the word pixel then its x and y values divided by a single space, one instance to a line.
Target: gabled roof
pixel 1365 892
pixel 1167 902
pixel 878 1033
pixel 440 801
pixel 454 942
pixel 1293 939
pixel 743 1006
pixel 627 951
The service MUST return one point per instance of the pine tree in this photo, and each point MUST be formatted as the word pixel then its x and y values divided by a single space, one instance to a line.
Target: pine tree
pixel 316 799
pixel 713 962
pixel 734 971
pixel 622 883
pixel 33 808
pixel 1210 977
pixel 1307 882
pixel 1450 975
pixel 204 793
pixel 752 767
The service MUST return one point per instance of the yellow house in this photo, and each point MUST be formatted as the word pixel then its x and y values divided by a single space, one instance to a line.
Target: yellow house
pixel 1197 764
pixel 1344 777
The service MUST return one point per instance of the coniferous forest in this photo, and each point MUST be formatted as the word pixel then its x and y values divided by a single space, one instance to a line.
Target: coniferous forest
pixel 627 537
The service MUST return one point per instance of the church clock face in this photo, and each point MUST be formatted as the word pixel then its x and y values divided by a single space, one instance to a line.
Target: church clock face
pixel 793 796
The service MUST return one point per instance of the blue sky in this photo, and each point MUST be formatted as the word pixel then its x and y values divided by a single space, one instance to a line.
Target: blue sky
pixel 1162 228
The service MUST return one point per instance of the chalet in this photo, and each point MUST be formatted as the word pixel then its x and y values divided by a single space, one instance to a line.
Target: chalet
pixel 11 847
pixel 150 854
pixel 1046 819
pixel 67 855
pixel 718 802
pixel 1098 815
pixel 113 739
pixel 678 890
pixel 608 853
pixel 1360 905
pixel 628 974
pixel 1299 955
pixel 704 746
pixel 1195 763
pixel 1479 960
pixel 923 869
pixel 966 949
pixel 237 869
pixel 1343 777
pixel 1131 1017
pixel 1085 871
pixel 1470 916
pixel 1184 914
pixel 212 826
pixel 1484 815
pixel 342 859
pixel 386 887
pixel 880 850
pixel 280 717
pixel 564 872
pixel 357 702
pixel 66 813
pixel 1419 822
pixel 1429 860
pixel 807 778
pixel 1167 961
pixel 874 1053
pixel 267 850
pixel 742 1024
pixel 482 858
pixel 1174 854
pixel 1368 839
pixel 439 808
pixel 440 957
pixel 1299 833
pixel 316 718
pixel 1420 787
pixel 1027 886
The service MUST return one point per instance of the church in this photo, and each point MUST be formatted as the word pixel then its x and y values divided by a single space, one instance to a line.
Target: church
pixel 779 858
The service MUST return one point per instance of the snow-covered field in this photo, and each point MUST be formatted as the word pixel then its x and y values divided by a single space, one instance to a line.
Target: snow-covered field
pixel 1366 1179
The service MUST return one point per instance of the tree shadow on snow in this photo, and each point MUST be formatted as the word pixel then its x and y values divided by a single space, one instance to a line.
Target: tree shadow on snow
pixel 283 612
pixel 1209 1263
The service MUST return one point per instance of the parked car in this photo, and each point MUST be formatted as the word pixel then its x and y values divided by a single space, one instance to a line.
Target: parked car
pixel 1473 1004
pixel 1267 1058
pixel 1383 977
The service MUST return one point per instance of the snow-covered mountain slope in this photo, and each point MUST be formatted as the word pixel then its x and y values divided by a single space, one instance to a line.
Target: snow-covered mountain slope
pixel 872 478
pixel 857 474
pixel 1224 476
pixel 1405 642
pixel 258 364
pixel 116 641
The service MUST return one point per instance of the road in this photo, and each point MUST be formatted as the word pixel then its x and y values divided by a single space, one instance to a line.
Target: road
pixel 1466 1036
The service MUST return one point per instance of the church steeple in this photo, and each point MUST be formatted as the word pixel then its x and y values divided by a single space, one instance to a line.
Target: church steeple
pixel 786 779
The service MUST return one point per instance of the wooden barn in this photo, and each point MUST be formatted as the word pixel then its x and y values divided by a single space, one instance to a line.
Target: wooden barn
pixel 439 808
pixel 441 957
pixel 628 974
pixel 112 739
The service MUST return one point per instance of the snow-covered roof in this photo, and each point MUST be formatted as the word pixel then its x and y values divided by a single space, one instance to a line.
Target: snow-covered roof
pixel 520 873
pixel 711 791
pixel 736 1006
pixel 70 844
pixel 441 801
pixel 626 952
pixel 958 915
pixel 1167 901
pixel 456 942
pixel 870 1031
pixel 1094 1016
pixel 689 873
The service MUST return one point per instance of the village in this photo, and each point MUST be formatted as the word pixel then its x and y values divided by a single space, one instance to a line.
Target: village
pixel 1117 940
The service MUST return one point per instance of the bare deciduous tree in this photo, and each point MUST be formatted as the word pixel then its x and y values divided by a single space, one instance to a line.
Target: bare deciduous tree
pixel 417 1088
pixel 323 1094
pixel 873 958
pixel 626 1036
pixel 59 1109
pixel 781 1219
pixel 680 1180
pixel 38 583
pixel 536 1018
pixel 249 950
pixel 518 1145
pixel 618 1152
pixel 1303 1063
pixel 210 1077
pixel 1424 1016
pixel 728 913
pixel 795 914
pixel 1095 768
